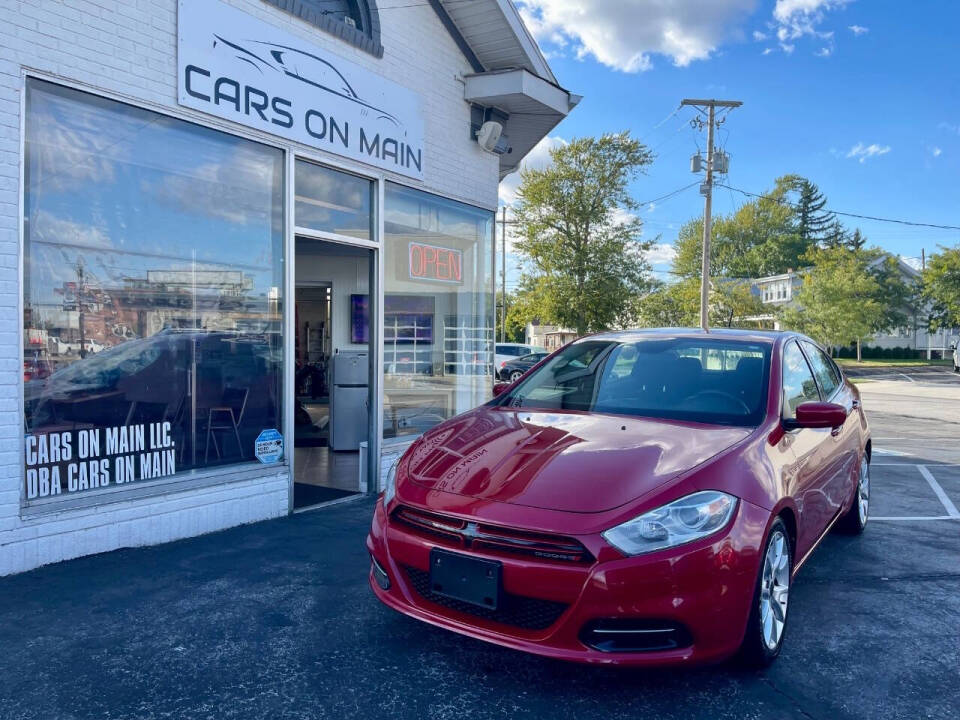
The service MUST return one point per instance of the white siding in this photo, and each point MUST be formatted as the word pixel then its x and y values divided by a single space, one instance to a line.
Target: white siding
pixel 129 48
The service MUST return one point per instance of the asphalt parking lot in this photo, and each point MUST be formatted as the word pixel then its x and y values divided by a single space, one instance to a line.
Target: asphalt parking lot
pixel 275 620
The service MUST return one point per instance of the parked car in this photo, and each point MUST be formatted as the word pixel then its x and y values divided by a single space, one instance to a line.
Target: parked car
pixel 504 352
pixel 956 357
pixel 643 497
pixel 513 370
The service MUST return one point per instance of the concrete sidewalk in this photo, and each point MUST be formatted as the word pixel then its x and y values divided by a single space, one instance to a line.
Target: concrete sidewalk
pixel 275 620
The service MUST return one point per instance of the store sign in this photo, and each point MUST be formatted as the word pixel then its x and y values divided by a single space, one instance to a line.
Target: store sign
pixel 77 460
pixel 431 262
pixel 239 68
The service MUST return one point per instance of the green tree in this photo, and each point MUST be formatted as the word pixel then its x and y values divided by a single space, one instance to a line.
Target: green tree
pixel 856 241
pixel 732 304
pixel 897 296
pixel 670 305
pixel 759 238
pixel 812 221
pixel 577 233
pixel 941 288
pixel 515 327
pixel 836 236
pixel 838 302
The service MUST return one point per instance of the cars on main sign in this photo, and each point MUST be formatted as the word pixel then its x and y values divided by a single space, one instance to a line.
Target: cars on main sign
pixel 643 497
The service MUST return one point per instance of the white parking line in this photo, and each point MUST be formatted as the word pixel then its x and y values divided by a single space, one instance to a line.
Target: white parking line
pixel 938 491
pixel 917 517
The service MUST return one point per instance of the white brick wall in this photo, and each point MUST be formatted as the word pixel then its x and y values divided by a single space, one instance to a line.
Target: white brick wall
pixel 129 47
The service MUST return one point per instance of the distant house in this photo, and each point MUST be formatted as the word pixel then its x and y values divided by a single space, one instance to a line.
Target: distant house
pixel 550 337
pixel 779 291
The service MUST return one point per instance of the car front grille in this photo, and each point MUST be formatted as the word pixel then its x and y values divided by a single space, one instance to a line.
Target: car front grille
pixel 514 610
pixel 457 532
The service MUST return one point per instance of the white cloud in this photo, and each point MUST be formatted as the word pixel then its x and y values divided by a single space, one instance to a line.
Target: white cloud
pixel 935 151
pixel 863 152
pixel 767 51
pixel 795 19
pixel 625 34
pixel 538 158
pixel 53 228
pixel 759 36
pixel 661 254
pixel 859 29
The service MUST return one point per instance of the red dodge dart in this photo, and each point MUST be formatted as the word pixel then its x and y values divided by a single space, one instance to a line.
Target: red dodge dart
pixel 639 497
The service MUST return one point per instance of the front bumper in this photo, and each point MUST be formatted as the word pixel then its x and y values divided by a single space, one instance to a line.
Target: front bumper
pixel 705 588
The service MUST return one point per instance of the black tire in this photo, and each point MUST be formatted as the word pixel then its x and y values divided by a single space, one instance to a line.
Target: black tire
pixel 755 651
pixel 853 521
pixel 515 375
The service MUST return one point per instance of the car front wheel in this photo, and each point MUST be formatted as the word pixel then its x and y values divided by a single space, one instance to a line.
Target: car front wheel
pixel 855 519
pixel 515 375
pixel 768 613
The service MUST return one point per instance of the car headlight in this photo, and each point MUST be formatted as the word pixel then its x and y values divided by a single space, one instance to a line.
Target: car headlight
pixel 681 521
pixel 390 486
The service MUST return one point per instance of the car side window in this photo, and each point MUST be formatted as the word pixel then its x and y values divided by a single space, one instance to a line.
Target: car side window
pixel 823 370
pixel 798 383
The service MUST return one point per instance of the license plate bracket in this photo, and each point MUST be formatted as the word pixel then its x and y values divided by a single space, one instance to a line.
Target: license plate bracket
pixel 461 577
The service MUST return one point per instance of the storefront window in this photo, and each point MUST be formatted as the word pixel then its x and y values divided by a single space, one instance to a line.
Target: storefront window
pixel 152 294
pixel 438 309
pixel 332 201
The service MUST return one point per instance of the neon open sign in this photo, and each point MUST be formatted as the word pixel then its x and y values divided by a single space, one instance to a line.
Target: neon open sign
pixel 440 264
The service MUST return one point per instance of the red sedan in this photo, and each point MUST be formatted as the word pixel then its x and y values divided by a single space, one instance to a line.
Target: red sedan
pixel 640 497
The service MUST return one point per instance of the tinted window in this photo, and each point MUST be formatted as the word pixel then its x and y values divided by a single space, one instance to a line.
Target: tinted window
pixel 823 369
pixel 152 293
pixel 694 379
pixel 798 383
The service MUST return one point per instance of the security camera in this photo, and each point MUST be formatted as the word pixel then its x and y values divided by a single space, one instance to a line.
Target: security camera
pixel 489 134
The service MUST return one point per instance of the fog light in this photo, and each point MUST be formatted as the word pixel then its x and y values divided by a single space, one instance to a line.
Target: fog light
pixel 379 574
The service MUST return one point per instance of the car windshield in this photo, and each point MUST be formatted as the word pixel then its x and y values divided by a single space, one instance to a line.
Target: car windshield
pixel 717 381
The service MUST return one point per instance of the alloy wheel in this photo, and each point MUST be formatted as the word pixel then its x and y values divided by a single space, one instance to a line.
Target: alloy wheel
pixel 515 375
pixel 863 491
pixel 775 589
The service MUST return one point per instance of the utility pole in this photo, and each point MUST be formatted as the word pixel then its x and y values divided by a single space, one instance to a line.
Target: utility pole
pixel 503 274
pixel 79 268
pixel 707 190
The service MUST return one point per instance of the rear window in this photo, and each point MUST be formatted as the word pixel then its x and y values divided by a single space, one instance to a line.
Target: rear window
pixel 707 380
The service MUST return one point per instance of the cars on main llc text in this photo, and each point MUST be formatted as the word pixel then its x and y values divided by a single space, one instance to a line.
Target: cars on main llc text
pixel 643 497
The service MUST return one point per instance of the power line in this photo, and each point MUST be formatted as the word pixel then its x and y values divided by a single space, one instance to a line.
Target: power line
pixel 846 214
pixel 670 194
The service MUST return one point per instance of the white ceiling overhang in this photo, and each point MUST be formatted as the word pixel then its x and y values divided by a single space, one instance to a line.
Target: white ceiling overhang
pixel 512 74
pixel 534 105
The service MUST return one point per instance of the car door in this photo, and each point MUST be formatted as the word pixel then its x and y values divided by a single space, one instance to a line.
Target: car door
pixel 841 452
pixel 811 476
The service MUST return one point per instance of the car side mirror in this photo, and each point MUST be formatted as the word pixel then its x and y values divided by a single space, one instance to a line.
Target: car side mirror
pixel 500 387
pixel 819 415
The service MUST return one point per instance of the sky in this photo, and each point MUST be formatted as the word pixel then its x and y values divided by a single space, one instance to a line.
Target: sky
pixel 860 96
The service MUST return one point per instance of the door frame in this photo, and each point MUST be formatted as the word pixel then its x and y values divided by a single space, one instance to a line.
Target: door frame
pixel 375 294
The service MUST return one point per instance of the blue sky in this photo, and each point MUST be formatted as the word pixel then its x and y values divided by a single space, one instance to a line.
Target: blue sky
pixel 862 97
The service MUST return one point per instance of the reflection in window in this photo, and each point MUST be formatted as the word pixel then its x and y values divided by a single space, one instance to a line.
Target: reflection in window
pixel 152 293
pixel 332 201
pixel 798 383
pixel 438 309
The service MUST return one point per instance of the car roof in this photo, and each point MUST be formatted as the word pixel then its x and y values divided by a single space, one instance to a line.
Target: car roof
pixel 761 336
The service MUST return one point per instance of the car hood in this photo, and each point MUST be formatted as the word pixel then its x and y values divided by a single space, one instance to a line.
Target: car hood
pixel 572 462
